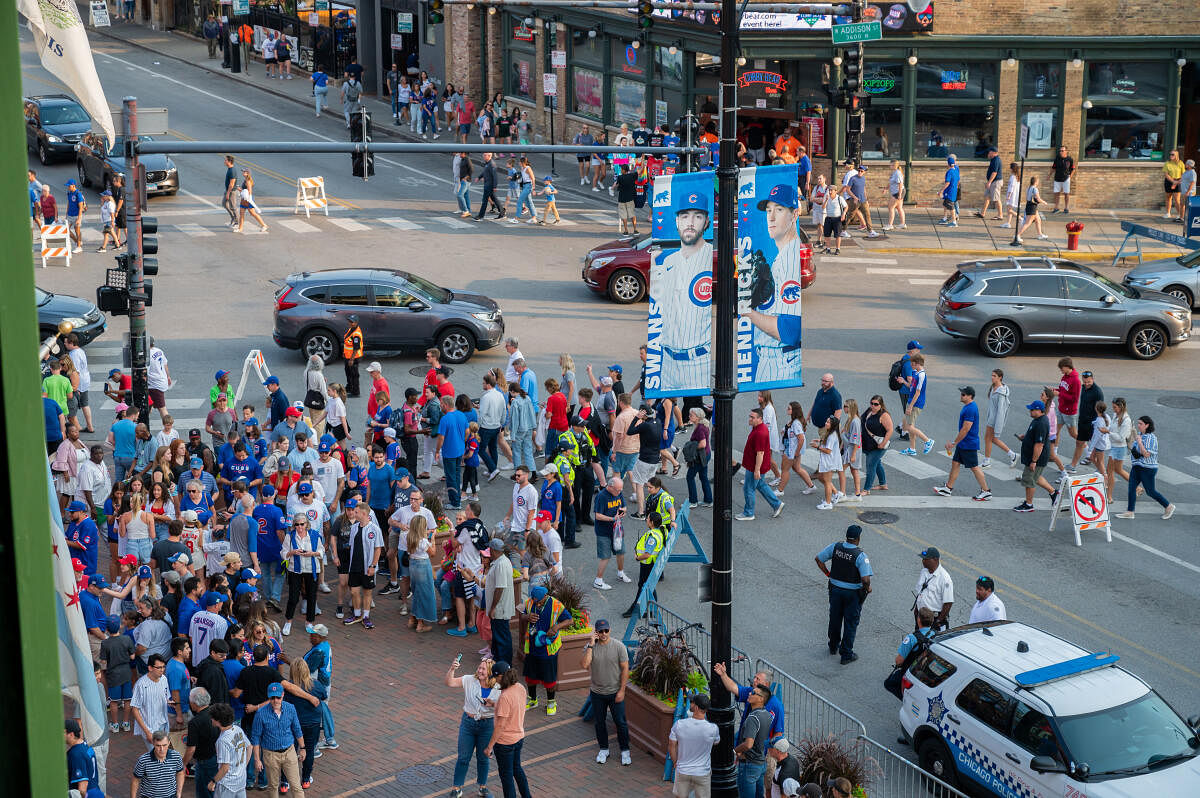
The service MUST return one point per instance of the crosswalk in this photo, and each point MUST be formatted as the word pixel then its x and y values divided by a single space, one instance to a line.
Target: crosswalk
pixel 889 268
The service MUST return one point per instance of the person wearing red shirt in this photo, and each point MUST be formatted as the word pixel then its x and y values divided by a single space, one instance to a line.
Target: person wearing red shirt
pixel 556 407
pixel 378 383
pixel 1069 388
pixel 432 357
pixel 49 206
pixel 444 386
pixel 756 459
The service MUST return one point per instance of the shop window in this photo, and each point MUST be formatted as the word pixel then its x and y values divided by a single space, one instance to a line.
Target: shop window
pixel 628 101
pixel 882 134
pixel 1123 81
pixel 1041 106
pixel 965 131
pixel 586 49
pixel 520 75
pixel 1045 132
pixel 956 80
pixel 668 66
pixel 1041 80
pixel 1127 118
pixel 587 92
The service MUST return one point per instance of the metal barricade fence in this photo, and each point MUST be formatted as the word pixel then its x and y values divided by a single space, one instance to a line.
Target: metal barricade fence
pixel 893 776
pixel 699 640
pixel 807 714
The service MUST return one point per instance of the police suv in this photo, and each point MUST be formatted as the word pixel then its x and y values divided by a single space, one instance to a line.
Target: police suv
pixel 1023 713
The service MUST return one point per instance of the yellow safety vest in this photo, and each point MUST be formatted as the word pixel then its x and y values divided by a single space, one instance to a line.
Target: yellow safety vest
pixel 566 472
pixel 654 537
pixel 663 501
pixel 556 609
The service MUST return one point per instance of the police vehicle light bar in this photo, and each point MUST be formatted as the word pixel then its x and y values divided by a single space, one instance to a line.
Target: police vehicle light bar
pixel 1066 669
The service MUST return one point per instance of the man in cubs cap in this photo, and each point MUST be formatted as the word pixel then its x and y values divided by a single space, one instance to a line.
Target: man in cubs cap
pixel 783 194
pixel 692 201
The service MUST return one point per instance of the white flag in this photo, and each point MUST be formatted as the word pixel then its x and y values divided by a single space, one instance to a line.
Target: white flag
pixel 62 44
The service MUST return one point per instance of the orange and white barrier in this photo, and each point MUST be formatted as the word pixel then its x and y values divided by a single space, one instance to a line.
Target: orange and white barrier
pixel 310 196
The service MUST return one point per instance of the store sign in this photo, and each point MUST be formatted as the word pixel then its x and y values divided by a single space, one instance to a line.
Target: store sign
pixel 404 22
pixel 954 79
pixel 322 5
pixel 1126 87
pixel 758 20
pixel 241 7
pixel 1041 129
pixel 549 84
pixel 773 82
pixel 879 82
pixel 815 126
pixel 630 64
pixel 522 33
pixel 397 41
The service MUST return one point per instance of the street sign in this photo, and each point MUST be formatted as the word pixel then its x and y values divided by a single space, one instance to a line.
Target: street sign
pixel 549 84
pixel 404 22
pixel 241 7
pixel 151 122
pixel 99 13
pixel 854 32
pixel 1023 143
pixel 1084 496
pixel 322 5
pixel 558 59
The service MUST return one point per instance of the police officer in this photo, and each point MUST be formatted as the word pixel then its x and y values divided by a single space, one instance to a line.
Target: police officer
pixel 648 547
pixel 935 589
pixel 988 606
pixel 661 502
pixel 906 654
pixel 585 479
pixel 849 573
pixel 566 461
pixel 352 352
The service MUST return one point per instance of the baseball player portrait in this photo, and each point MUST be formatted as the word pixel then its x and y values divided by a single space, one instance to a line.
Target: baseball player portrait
pixel 681 285
pixel 774 301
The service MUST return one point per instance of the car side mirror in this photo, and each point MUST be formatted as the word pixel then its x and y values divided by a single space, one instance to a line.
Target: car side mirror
pixel 1194 722
pixel 1109 299
pixel 416 307
pixel 1046 764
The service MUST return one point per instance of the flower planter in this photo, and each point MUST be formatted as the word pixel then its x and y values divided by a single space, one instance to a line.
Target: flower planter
pixel 571 675
pixel 650 722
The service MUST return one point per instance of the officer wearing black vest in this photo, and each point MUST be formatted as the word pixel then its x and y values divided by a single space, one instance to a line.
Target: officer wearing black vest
pixel 849 573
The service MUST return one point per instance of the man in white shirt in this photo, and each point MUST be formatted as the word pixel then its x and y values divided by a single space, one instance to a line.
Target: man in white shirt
pixel 397 534
pixel 158 378
pixel 550 538
pixel 988 606
pixel 492 410
pixel 501 601
pixel 514 354
pixel 233 753
pixel 690 746
pixel 520 516
pixel 95 483
pixel 79 358
pixel 935 588
pixel 151 697
pixel 206 626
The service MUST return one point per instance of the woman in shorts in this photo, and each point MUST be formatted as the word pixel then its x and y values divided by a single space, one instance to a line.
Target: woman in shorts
pixel 835 206
pixel 283 58
pixel 896 194
pixel 246 202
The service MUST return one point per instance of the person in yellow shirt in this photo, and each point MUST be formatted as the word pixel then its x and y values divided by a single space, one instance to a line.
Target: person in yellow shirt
pixel 1172 172
pixel 787 146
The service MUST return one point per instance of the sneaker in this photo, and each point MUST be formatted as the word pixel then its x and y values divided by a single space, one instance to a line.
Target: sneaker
pixel 457 632
pixel 600 584
pixel 809 490
pixel 838 496
pixel 779 493
pixel 493 475
pixel 952 224
pixel 324 588
pixel 910 451
pixel 1020 240
pixel 330 744
pixel 626 759
pixel 114 727
pixel 694 505
pixel 368 624
pixel 1006 226
pixel 637 515
pixel 610 191
pixel 873 234
pixel 942 490
pixel 1167 216
pixel 773 481
pixel 887 228
pixel 531 703
pixel 287 628
pixel 351 619
pixel 845 234
pixel 602 756
pixel 338 613
pixel 283 789
pixel 1023 507
pixel 551 707
pixel 392 587
pixel 583 181
pixel 743 517
pixel 316 755
pixel 307 785
pixel 1054 498
pixel 902 227
pixel 597 189
pixel 779 510
pixel 824 506
pixel 126 726
pixel 77 250
pixel 942 221
pixel 986 463
pixel 982 496
pixel 1043 237
pixel 404 609
pixel 623 577
pixel 928 446
pixel 1013 459
pixel 1126 515
pixel 1170 511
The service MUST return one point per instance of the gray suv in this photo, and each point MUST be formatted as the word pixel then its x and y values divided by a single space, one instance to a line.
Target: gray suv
pixel 1179 277
pixel 1005 302
pixel 397 311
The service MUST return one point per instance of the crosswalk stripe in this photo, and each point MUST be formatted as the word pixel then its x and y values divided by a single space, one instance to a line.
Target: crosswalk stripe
pixel 876 261
pixel 401 224
pixel 563 222
pixel 349 225
pixel 452 222
pixel 924 281
pixel 298 226
pixel 102 366
pixel 598 218
pixel 194 230
pixel 104 349
pixel 904 272
pixel 1172 477
pixel 913 466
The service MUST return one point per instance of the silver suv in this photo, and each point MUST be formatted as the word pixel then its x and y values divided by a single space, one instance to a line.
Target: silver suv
pixel 1004 302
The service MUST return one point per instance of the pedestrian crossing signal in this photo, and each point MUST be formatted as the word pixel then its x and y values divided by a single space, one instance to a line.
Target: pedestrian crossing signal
pixel 435 15
pixel 362 164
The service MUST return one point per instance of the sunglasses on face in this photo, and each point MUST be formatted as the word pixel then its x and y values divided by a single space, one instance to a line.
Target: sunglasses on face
pixel 874 404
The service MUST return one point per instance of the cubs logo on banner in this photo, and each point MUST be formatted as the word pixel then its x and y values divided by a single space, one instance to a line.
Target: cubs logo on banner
pixel 771 256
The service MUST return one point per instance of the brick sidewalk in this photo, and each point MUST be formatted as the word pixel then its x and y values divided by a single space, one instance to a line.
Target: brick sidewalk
pixel 398 723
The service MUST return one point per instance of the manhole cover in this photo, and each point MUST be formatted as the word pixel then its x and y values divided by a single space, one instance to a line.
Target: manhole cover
pixel 1180 402
pixel 422 774
pixel 421 371
pixel 878 517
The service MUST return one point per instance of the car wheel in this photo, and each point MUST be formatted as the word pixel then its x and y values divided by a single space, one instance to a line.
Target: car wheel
pixel 935 759
pixel 43 156
pixel 1179 292
pixel 1147 341
pixel 456 345
pixel 320 342
pixel 83 178
pixel 1000 339
pixel 626 287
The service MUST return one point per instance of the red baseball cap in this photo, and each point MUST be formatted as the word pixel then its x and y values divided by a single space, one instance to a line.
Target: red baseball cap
pixel 78 565
pixel 130 559
pixel 294 411
pixel 544 515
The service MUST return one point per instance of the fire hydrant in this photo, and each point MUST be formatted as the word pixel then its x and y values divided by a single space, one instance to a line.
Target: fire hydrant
pixel 1073 231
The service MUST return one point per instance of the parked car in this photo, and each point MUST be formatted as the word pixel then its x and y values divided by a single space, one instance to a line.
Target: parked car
pixel 54 124
pixel 1004 302
pixel 397 310
pixel 620 269
pixel 53 309
pixel 97 162
pixel 1179 277
pixel 1016 711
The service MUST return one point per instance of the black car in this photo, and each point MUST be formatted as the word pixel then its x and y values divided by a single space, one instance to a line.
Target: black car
pixel 53 309
pixel 397 311
pixel 97 163
pixel 54 124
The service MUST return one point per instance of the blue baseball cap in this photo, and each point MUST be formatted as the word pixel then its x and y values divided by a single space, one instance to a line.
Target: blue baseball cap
pixel 220 373
pixel 114 624
pixel 275 690
pixel 245 587
pixel 327 438
pixel 303 489
pixel 97 580
pixel 76 507
pixel 249 573
pixel 324 446
pixel 70 183
pixel 783 194
pixel 351 504
pixel 617 368
pixel 692 201
pixel 250 422
pixel 402 473
pixel 197 462
pixel 267 489
pixel 950 159
pixel 914 344
pixel 144 572
pixel 113 372
pixel 1036 404
pixel 272 380
pixel 212 598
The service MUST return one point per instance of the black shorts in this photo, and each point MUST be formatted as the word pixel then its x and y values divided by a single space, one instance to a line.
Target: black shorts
pixel 339 432
pixel 541 669
pixel 969 458
pixel 120 222
pixel 282 59
pixel 362 580
pixel 833 226
pixel 344 559
pixel 270 60
pixel 1170 186
pixel 947 204
pixel 157 398
pixel 583 158
pixel 1031 208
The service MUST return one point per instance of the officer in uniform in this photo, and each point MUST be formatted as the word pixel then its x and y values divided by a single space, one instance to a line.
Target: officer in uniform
pixel 566 461
pixel 352 352
pixel 585 477
pixel 648 547
pixel 661 502
pixel 849 573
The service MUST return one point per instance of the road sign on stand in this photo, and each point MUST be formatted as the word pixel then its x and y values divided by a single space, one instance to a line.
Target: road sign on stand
pixel 254 360
pixel 549 84
pixel 854 32
pixel 98 10
pixel 1084 496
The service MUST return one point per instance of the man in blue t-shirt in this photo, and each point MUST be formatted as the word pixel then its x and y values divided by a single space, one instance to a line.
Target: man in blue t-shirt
pixel 242 467
pixel 827 402
pixel 56 423
pixel 83 773
pixel 995 181
pixel 964 449
pixel 278 401
pixel 76 207
pixel 380 479
pixel 122 437
pixel 803 171
pixel 950 193
pixel 82 535
pixel 95 619
pixel 452 443
pixel 761 679
pixel 270 556
pixel 608 511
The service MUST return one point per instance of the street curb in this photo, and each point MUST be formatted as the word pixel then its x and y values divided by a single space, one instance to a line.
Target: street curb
pixel 1024 253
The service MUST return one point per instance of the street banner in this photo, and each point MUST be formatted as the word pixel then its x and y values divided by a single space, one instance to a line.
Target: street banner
pixel 770 255
pixel 62 45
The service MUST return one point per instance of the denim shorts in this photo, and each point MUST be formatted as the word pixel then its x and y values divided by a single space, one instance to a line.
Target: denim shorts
pixel 605 548
pixel 1119 453
pixel 140 548
pixel 121 692
pixel 624 463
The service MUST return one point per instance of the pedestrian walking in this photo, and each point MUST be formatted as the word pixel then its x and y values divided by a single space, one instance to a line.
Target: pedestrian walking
pixel 1089 395
pixel 463 174
pixel 1120 433
pixel 1070 392
pixel 964 449
pixel 246 204
pixel 429 111
pixel 951 189
pixel 609 515
pixel 487 176
pixel 1033 216
pixel 229 192
pixel 151 699
pixel 896 198
pixel 988 606
pixel 1099 444
pixel 997 414
pixel 476 725
pixel 159 772
pixel 935 589
pixel 828 445
pixel 275 731
pixel 698 457
pixel 108 211
pixel 756 460
pixel 308 715
pixel 118 192
pixel 551 194
pixel 320 82
pixel 233 755
pixel 1061 170
pixel 211 31
pixel 877 429
pixel 525 182
pixel 1144 452
pixel 1012 194
pixel 607 662
pixel 351 92
pixel 849 573
pixel 914 404
pixel 690 747
pixel 1173 170
pixel 992 181
pixel 76 207
pixel 1036 448
pixel 852 450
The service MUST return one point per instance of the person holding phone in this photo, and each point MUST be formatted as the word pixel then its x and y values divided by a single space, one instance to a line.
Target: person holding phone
pixel 478 719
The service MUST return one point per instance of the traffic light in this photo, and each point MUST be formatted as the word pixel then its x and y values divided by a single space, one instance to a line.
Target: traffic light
pixel 149 246
pixel 435 15
pixel 362 164
pixel 645 12
pixel 852 68
pixel 113 296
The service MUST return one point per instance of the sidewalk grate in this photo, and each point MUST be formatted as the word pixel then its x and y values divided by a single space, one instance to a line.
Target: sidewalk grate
pixel 421 774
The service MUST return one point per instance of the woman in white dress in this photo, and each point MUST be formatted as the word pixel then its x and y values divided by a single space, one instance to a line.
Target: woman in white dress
pixel 828 443
pixel 767 404
pixel 246 203
pixel 793 447
pixel 852 451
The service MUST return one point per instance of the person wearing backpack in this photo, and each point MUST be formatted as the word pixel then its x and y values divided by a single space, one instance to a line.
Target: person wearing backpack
pixel 351 93
pixel 900 377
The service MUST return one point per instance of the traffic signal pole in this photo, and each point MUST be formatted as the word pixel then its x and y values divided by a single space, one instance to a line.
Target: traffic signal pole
pixel 138 350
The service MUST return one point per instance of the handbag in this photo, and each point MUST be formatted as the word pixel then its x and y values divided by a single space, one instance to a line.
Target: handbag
pixel 313 400
pixel 691 453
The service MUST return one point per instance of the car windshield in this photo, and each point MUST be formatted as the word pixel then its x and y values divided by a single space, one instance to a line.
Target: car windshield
pixel 1130 737
pixel 439 295
pixel 643 242
pixel 1116 288
pixel 63 114
pixel 41 296
pixel 117 150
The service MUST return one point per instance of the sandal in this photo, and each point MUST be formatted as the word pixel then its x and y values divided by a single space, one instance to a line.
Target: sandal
pixel 675 470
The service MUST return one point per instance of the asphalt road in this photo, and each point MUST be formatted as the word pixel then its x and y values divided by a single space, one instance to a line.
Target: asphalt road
pixel 1134 596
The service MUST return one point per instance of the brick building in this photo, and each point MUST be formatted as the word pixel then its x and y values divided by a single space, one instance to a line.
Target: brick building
pixel 1113 83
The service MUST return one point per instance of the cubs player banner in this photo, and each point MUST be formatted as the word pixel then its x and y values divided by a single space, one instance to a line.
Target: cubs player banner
pixel 679 340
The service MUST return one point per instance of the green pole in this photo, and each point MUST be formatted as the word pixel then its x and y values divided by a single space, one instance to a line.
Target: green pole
pixel 33 735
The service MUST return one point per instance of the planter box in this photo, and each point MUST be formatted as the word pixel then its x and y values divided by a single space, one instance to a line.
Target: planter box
pixel 571 675
pixel 650 722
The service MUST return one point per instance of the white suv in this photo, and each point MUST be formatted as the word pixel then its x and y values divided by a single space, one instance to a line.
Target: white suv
pixel 1024 713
